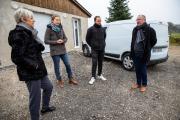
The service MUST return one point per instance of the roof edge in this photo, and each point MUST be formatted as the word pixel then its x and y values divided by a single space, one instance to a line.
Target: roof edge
pixel 81 7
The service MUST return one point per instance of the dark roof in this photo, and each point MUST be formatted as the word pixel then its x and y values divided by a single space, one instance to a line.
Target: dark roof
pixel 68 6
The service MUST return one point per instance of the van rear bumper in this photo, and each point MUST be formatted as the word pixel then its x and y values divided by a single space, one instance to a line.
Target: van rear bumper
pixel 152 62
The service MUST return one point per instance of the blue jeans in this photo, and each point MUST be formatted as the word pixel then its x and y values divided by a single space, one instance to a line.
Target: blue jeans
pixel 141 70
pixel 34 88
pixel 65 59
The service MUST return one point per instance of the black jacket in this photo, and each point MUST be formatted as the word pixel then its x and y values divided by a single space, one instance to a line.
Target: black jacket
pixel 149 42
pixel 95 37
pixel 26 54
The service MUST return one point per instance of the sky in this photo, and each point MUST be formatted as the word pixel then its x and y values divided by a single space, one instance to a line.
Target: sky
pixel 163 10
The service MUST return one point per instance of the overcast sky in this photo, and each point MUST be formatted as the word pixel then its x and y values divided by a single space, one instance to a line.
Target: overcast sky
pixel 163 10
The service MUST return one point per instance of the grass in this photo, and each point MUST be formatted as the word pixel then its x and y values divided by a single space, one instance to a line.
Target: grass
pixel 175 38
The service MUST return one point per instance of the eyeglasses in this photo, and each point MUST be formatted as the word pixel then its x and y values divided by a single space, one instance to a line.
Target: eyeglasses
pixel 139 19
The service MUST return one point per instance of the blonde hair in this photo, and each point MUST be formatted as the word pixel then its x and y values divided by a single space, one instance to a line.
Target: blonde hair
pixel 22 13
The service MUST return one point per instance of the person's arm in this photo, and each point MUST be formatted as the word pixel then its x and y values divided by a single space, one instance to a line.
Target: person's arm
pixel 131 44
pixel 153 37
pixel 104 33
pixel 47 37
pixel 19 43
pixel 64 37
pixel 88 37
pixel 41 47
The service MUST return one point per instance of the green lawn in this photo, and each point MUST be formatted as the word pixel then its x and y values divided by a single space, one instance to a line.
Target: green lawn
pixel 175 38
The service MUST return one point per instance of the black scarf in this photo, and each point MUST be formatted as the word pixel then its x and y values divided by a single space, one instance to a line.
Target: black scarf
pixel 97 26
pixel 141 26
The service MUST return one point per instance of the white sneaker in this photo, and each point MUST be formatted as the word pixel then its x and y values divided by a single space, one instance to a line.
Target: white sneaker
pixel 102 78
pixel 92 81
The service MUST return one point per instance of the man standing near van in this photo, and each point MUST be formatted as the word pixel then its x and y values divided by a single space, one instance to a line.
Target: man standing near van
pixel 143 40
pixel 95 38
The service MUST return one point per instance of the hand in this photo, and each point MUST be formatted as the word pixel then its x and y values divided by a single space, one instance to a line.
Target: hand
pixel 60 41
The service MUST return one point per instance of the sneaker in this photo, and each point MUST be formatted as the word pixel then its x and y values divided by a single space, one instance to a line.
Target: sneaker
pixel 102 78
pixel 92 81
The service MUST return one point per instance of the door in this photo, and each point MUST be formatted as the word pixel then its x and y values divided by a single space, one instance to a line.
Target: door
pixel 160 50
pixel 76 32
pixel 41 21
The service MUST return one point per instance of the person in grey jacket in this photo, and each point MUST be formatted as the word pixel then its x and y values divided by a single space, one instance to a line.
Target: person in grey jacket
pixel 57 39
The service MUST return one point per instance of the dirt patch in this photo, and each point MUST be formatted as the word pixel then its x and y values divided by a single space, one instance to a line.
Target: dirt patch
pixel 109 100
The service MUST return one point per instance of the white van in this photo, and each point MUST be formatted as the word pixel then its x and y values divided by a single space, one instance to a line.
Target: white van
pixel 118 42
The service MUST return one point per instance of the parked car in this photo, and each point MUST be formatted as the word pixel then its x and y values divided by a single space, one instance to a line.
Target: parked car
pixel 118 41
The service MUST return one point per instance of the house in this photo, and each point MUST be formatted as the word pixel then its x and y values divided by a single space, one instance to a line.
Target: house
pixel 73 15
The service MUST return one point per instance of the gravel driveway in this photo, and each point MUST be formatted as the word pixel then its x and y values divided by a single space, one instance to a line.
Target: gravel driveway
pixel 105 100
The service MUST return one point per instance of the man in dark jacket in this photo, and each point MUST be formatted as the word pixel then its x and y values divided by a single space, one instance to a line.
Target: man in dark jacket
pixel 95 38
pixel 26 54
pixel 143 40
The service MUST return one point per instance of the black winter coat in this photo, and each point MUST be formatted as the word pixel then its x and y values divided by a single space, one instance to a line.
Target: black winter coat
pixel 149 42
pixel 95 37
pixel 26 54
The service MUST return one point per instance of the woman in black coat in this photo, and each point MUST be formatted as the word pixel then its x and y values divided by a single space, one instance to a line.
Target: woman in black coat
pixel 26 54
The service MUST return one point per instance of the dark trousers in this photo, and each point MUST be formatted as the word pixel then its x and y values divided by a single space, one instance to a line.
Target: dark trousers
pixel 97 60
pixel 65 59
pixel 34 88
pixel 141 70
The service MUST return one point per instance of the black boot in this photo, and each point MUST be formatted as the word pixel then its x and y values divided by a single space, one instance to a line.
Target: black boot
pixel 49 109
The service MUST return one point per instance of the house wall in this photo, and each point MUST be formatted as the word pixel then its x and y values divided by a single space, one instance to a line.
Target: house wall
pixel 9 23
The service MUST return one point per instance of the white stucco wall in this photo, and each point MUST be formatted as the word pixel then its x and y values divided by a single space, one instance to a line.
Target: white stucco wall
pixel 7 8
pixel 65 18
pixel 7 23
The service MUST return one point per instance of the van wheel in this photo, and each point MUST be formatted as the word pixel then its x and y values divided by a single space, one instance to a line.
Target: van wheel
pixel 127 62
pixel 86 52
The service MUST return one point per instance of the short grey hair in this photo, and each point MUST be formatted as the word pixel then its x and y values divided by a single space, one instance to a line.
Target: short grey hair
pixel 142 16
pixel 22 13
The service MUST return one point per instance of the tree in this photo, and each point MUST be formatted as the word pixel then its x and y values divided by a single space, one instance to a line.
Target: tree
pixel 173 27
pixel 118 10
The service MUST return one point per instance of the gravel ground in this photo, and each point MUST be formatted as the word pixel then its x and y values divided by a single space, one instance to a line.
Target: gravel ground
pixel 105 100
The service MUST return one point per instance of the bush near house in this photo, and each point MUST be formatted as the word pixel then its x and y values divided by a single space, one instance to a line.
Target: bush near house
pixel 175 38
